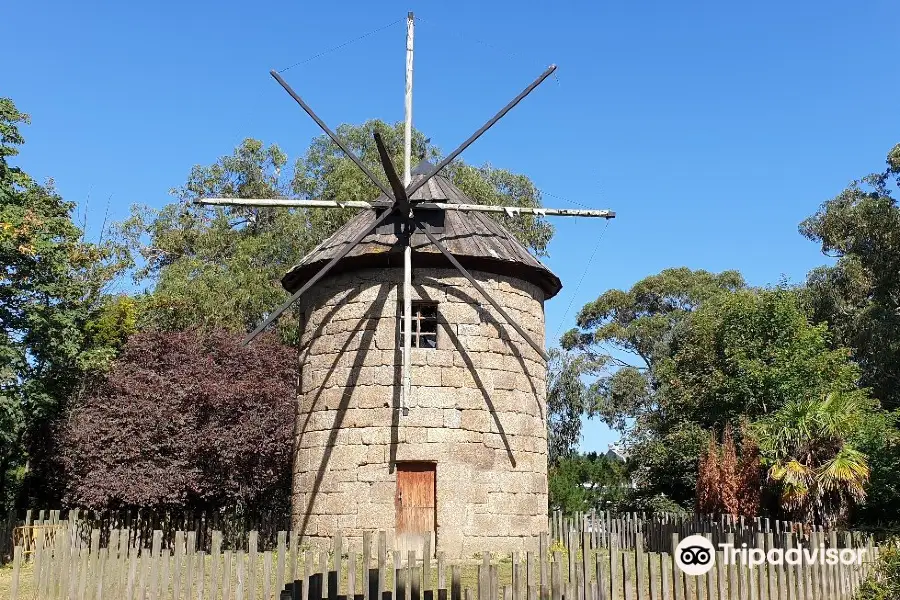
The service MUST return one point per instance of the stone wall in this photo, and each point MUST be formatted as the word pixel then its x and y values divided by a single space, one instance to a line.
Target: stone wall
pixel 477 410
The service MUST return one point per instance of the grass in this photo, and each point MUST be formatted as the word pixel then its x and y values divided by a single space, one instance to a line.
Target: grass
pixel 26 589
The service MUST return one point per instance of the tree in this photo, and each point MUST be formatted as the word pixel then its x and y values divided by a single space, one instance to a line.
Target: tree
pixel 750 355
pixel 806 446
pixel 220 267
pixel 714 354
pixel 58 322
pixel 622 337
pixel 624 334
pixel 859 297
pixel 707 499
pixel 565 404
pixel 728 484
pixel 746 354
pixel 185 419
pixel 878 438
pixel 582 482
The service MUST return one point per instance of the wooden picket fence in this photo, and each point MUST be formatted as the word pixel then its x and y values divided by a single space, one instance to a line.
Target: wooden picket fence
pixel 655 531
pixel 62 567
pixel 142 523
pixel 624 529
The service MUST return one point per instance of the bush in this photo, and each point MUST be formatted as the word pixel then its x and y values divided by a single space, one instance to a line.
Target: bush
pixel 184 419
pixel 884 584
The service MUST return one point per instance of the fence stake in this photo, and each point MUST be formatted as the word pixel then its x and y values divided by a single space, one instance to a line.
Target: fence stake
pixel 17 565
pixel 282 555
pixel 226 576
pixel 351 576
pixel 267 576
pixel 366 564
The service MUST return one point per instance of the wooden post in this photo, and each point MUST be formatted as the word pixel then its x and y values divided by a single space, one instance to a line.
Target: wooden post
pixel 334 577
pixel 426 568
pixel 665 566
pixel 17 565
pixel 555 586
pixel 415 588
pixel 282 556
pixel 543 551
pixel 586 546
pixel 441 578
pixel 400 582
pixel 407 250
pixel 215 554
pixel 351 576
pixel 201 579
pixel 529 573
pixel 226 576
pixel 309 575
pixel 382 558
pixel 790 570
pixel 763 570
pixel 190 548
pixel 155 557
pixel 267 576
pixel 615 569
pixel 366 564
pixel 627 578
pixel 252 550
pixel 292 555
pixel 514 592
pixel 241 572
pixel 639 566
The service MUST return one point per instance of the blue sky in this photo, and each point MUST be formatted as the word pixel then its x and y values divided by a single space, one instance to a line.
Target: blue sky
pixel 712 128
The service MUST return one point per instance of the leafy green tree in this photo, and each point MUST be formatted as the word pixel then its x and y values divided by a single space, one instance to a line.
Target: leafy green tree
pixel 58 322
pixel 623 335
pixel 749 355
pixel 566 404
pixel 220 267
pixel 878 437
pixel 582 482
pixel 710 353
pixel 859 297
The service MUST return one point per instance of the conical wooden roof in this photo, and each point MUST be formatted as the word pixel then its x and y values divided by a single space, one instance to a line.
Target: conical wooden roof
pixel 476 240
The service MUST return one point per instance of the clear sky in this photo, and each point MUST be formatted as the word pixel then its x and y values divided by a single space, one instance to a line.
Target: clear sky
pixel 711 128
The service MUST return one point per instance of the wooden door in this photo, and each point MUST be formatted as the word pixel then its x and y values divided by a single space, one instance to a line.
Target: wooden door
pixel 415 505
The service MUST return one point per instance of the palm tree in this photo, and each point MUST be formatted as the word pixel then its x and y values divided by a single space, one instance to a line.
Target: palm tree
pixel 821 476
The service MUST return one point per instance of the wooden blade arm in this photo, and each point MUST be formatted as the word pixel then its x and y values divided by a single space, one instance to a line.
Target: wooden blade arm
pixel 332 135
pixel 450 157
pixel 315 278
pixel 391 172
pixel 484 292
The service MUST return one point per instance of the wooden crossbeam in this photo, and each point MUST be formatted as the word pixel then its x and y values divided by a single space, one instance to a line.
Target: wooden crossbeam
pixel 508 210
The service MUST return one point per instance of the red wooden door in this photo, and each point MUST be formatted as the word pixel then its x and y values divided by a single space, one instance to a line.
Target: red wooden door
pixel 415 505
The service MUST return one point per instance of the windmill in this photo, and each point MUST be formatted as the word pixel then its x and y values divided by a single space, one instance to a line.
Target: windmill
pixel 400 203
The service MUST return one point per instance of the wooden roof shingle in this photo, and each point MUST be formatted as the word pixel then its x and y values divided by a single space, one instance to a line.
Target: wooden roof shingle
pixel 477 240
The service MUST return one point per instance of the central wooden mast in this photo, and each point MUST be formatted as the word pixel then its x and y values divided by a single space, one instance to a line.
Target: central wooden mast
pixel 407 251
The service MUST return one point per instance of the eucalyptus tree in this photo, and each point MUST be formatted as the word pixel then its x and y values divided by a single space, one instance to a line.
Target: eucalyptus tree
pixel 220 267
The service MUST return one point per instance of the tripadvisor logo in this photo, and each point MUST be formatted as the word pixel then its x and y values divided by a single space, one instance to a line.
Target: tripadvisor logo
pixel 696 555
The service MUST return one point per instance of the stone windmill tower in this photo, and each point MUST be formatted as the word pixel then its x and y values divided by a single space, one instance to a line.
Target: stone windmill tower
pixel 466 458
pixel 421 407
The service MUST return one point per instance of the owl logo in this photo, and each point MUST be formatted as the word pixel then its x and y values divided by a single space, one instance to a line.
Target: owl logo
pixel 695 555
